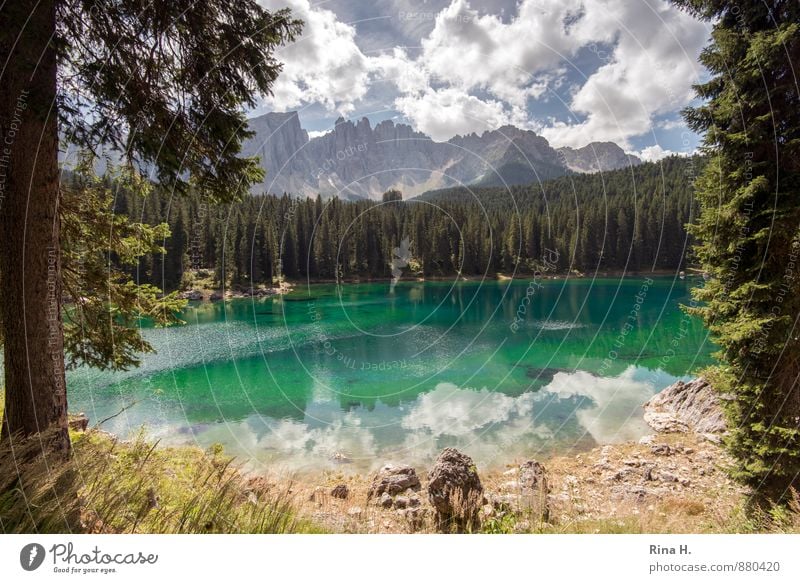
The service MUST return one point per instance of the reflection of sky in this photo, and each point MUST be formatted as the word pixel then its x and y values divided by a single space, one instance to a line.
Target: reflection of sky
pixel 573 410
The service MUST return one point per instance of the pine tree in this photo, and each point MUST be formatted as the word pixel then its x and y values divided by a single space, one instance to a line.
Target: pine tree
pixel 749 230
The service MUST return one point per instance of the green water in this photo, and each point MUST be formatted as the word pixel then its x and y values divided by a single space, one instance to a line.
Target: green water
pixel 380 373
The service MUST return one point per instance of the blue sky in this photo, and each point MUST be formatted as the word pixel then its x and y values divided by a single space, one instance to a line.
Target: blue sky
pixel 574 71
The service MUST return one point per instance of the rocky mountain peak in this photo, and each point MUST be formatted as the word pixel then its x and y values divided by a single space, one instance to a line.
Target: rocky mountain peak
pixel 596 157
pixel 359 160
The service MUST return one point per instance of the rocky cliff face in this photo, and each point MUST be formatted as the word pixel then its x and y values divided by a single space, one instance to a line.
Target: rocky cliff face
pixel 597 157
pixel 358 160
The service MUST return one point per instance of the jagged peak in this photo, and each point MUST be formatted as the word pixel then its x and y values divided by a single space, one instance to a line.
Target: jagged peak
pixel 278 115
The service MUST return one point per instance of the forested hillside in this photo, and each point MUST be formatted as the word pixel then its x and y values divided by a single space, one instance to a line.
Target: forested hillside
pixel 630 219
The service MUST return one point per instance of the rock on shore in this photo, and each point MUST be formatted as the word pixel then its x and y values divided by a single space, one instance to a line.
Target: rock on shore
pixel 684 407
pixel 454 490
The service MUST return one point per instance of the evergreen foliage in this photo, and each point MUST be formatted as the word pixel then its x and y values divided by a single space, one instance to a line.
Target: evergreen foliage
pixel 631 219
pixel 749 229
pixel 100 321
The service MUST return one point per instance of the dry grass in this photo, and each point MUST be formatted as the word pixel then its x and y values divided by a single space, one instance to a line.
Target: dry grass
pixel 110 486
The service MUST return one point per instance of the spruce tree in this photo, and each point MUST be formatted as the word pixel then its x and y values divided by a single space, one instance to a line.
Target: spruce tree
pixel 748 230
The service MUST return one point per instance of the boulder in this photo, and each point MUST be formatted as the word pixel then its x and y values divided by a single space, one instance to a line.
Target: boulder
pixel 454 491
pixel 341 491
pixel 316 495
pixel 684 407
pixel 191 295
pixel 392 480
pixel 340 458
pixel 78 421
pixel 534 489
pixel 532 476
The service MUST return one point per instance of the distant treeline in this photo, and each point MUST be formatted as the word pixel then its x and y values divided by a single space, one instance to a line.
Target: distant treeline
pixel 632 219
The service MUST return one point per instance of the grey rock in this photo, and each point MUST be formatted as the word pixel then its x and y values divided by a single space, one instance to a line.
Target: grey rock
pixel 454 490
pixel 341 491
pixel 385 501
pixel 534 489
pixel 401 502
pixel 683 407
pixel 532 476
pixel 393 480
pixel 597 157
pixel 192 295
pixel 356 160
pixel 667 477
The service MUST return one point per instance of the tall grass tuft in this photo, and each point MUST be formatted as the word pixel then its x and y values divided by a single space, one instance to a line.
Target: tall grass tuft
pixel 111 486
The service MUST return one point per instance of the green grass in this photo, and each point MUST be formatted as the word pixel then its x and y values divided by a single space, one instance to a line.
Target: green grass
pixel 111 486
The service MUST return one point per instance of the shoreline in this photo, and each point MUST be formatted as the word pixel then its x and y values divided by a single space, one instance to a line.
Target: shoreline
pixel 289 285
pixel 663 483
pixel 492 277
pixel 673 480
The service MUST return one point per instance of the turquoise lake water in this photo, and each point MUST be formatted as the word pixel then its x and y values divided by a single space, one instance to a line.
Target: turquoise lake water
pixel 377 373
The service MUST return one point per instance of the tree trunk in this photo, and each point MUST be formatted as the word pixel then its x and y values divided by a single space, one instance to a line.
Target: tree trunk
pixel 30 259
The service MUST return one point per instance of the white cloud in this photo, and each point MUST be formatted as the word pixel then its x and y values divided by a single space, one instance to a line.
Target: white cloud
pixel 653 153
pixel 323 66
pixel 651 72
pixel 444 113
pixel 476 70
pixel 317 134
pixel 671 124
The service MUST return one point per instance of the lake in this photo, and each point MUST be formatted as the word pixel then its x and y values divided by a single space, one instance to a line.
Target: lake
pixel 372 373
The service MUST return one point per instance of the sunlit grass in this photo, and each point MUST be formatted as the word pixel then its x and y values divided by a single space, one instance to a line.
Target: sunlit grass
pixel 111 486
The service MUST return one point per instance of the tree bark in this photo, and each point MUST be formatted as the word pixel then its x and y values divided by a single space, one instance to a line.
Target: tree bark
pixel 30 259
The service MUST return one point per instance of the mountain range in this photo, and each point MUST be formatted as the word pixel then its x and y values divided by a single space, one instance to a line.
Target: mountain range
pixel 356 160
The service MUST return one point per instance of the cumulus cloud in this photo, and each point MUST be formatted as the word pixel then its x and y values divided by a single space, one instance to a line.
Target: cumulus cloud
pixel 648 69
pixel 653 153
pixel 323 66
pixel 650 72
pixel 317 134
pixel 479 69
pixel 444 113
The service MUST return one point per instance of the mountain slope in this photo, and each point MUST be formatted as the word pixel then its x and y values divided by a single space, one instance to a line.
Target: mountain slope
pixel 597 157
pixel 356 160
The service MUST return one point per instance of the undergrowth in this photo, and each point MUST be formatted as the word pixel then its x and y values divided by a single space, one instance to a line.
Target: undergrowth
pixel 113 486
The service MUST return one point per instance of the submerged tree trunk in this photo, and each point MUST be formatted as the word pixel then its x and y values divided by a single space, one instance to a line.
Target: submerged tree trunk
pixel 30 258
